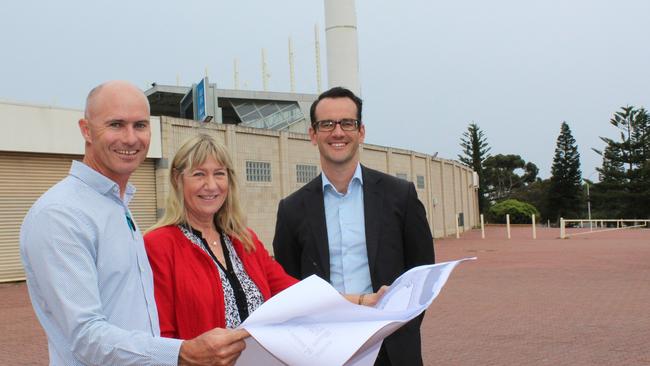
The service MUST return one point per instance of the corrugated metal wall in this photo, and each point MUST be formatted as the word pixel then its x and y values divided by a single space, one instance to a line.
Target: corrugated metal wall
pixel 24 177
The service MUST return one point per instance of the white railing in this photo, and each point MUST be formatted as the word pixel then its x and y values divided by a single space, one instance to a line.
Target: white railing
pixel 595 224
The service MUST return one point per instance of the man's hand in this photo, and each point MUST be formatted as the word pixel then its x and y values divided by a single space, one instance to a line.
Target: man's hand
pixel 367 299
pixel 372 299
pixel 218 346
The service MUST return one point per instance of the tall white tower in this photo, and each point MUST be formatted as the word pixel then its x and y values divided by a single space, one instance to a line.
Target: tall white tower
pixel 342 50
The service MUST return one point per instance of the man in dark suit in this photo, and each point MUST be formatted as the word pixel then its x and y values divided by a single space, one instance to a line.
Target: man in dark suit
pixel 353 226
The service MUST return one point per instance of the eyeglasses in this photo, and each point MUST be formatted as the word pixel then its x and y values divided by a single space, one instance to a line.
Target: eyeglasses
pixel 327 125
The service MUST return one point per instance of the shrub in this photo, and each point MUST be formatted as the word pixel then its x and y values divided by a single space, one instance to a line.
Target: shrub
pixel 520 212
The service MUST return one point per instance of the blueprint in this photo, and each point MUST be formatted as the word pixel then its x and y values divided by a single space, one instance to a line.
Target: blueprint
pixel 310 323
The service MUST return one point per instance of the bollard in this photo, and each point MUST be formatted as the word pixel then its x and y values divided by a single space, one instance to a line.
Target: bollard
pixel 457 229
pixel 562 236
pixel 482 228
pixel 534 229
pixel 508 224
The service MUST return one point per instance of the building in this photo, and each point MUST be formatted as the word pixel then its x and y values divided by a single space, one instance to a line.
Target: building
pixel 259 109
pixel 41 141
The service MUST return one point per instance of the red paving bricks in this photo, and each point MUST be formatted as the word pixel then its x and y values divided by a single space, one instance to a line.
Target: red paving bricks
pixel 580 301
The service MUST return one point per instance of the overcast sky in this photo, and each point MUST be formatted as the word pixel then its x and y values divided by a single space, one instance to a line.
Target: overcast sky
pixel 517 68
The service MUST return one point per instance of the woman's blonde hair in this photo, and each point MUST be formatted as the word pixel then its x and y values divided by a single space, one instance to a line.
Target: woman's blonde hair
pixel 190 155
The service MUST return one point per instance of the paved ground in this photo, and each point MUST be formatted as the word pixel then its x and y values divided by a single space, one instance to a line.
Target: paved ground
pixel 581 301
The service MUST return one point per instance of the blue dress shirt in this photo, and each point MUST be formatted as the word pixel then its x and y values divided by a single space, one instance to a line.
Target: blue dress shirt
pixel 88 276
pixel 346 234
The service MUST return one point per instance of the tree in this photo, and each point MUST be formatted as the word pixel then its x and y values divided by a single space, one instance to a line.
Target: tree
pixel 502 178
pixel 535 193
pixel 624 190
pixel 475 151
pixel 606 194
pixel 565 190
pixel 520 212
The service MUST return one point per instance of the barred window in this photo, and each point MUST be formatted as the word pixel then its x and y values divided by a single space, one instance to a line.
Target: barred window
pixel 420 181
pixel 402 176
pixel 258 171
pixel 305 173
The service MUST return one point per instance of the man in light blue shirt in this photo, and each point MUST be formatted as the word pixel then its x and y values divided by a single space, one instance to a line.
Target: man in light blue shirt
pixel 353 226
pixel 88 275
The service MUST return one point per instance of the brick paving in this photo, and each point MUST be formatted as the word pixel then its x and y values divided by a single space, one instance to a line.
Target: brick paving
pixel 580 301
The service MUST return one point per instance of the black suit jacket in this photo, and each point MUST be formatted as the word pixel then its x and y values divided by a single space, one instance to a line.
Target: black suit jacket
pixel 397 238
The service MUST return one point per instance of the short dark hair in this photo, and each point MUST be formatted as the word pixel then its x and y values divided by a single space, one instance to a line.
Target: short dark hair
pixel 336 92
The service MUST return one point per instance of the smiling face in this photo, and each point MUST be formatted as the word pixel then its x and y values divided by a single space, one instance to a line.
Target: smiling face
pixel 338 148
pixel 117 131
pixel 205 189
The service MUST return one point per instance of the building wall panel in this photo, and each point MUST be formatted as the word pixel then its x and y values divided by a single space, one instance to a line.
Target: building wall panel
pixel 375 157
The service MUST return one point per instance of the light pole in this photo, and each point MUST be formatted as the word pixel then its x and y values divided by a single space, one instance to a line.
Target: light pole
pixel 588 206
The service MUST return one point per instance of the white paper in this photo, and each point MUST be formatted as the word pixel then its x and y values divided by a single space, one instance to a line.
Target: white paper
pixel 310 323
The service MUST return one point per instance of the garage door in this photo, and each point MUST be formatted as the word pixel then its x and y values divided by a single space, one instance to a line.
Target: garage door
pixel 24 177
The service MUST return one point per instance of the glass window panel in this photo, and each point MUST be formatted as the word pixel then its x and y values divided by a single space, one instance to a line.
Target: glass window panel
pixel 420 182
pixel 306 172
pixel 258 171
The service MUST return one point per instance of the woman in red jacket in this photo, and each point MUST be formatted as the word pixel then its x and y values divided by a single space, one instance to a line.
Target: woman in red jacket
pixel 210 270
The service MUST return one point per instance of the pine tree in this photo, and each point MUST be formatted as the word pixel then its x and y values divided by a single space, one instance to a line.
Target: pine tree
pixel 565 190
pixel 607 194
pixel 624 190
pixel 476 150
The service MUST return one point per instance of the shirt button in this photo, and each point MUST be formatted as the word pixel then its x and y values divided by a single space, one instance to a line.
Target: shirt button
pixel 141 269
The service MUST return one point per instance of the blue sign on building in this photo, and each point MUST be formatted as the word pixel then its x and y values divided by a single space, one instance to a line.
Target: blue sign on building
pixel 201 99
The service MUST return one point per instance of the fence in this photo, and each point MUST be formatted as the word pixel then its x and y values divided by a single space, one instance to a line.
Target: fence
pixel 508 234
pixel 603 224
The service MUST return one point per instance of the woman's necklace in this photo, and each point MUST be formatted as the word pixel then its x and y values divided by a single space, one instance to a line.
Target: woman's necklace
pixel 216 250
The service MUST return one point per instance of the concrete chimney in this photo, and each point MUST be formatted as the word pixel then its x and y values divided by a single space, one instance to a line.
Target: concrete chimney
pixel 342 49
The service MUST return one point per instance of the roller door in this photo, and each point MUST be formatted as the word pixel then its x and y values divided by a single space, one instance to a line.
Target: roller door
pixel 25 176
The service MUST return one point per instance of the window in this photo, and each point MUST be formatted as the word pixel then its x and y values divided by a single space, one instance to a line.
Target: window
pixel 402 176
pixel 420 179
pixel 258 171
pixel 305 173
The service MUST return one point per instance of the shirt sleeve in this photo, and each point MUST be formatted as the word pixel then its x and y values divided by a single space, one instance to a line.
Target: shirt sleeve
pixel 58 246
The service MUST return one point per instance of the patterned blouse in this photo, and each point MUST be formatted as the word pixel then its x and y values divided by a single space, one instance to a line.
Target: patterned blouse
pixel 241 295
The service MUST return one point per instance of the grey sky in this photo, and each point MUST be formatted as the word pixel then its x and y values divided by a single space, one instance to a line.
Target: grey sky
pixel 517 68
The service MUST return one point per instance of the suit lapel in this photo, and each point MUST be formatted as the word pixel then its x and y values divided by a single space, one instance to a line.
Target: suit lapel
pixel 315 211
pixel 372 206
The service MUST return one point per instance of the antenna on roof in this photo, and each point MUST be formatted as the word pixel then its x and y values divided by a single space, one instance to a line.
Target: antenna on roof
pixel 317 50
pixel 235 75
pixel 292 78
pixel 265 73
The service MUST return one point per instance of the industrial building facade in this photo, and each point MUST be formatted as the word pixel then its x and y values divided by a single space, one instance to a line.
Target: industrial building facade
pixel 42 141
